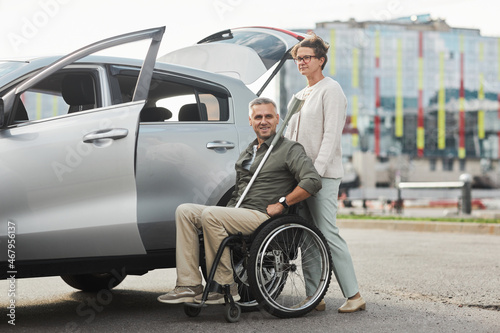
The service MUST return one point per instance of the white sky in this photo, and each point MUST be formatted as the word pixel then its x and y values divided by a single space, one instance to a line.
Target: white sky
pixel 41 27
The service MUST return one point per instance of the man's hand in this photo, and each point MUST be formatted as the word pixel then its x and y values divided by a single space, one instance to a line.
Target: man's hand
pixel 275 209
pixel 296 196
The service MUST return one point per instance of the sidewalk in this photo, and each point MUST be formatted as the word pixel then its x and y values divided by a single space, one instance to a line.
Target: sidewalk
pixel 422 225
pixel 426 226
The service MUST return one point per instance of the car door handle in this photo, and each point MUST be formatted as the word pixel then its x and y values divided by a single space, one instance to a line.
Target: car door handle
pixel 110 133
pixel 218 145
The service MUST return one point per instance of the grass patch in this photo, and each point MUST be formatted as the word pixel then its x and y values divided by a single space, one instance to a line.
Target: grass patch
pixel 408 218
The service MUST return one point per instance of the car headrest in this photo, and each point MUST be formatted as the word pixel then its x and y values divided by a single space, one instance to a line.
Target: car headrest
pixel 155 113
pixel 78 89
pixel 190 112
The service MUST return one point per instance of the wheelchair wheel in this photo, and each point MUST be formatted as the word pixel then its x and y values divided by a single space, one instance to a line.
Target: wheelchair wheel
pixel 191 311
pixel 280 254
pixel 232 313
pixel 239 260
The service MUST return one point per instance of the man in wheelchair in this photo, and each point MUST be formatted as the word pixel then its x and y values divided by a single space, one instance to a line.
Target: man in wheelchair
pixel 287 177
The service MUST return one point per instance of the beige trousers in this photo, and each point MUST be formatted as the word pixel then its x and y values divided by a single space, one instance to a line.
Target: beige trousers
pixel 216 223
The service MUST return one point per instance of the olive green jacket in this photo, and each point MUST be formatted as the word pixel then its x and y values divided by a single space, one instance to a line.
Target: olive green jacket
pixel 286 167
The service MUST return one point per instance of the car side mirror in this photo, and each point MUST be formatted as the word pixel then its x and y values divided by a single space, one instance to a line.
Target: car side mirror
pixel 6 102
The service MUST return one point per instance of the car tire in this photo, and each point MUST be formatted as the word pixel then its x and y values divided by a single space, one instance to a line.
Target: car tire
pixel 93 282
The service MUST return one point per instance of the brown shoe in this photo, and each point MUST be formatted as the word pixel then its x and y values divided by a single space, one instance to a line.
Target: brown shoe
pixel 321 306
pixel 353 305
pixel 181 294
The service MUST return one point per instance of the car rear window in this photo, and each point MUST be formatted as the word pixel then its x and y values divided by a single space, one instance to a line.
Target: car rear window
pixel 269 48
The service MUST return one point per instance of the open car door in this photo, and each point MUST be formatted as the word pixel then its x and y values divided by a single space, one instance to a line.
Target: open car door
pixel 67 183
pixel 247 53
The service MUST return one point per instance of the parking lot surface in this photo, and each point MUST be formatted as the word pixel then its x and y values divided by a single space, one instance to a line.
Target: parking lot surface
pixel 412 281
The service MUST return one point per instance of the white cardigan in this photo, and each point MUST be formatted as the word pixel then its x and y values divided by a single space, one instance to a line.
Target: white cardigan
pixel 319 124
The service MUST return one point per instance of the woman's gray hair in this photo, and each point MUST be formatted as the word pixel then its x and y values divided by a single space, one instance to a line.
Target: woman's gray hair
pixel 260 101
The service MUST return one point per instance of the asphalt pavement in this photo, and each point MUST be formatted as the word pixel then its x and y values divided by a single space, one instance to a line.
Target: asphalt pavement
pixel 412 282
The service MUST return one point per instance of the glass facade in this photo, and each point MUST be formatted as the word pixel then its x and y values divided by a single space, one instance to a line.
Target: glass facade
pixel 415 87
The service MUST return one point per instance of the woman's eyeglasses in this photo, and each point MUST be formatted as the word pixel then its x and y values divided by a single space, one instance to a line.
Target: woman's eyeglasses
pixel 306 59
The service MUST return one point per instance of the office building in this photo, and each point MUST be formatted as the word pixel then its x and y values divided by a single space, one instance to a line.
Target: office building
pixel 424 98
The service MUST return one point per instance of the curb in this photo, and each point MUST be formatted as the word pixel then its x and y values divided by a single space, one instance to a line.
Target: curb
pixel 423 226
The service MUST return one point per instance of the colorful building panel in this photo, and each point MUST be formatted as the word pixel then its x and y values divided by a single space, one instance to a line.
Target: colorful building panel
pixel 420 87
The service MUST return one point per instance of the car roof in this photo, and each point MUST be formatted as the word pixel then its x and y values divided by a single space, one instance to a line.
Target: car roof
pixel 34 64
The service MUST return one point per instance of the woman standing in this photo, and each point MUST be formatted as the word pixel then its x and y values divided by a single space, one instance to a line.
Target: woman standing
pixel 318 127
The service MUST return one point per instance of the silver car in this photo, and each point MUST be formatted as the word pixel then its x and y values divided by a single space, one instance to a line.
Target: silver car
pixel 97 152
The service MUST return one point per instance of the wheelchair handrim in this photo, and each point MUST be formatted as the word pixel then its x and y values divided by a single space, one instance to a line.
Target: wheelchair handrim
pixel 271 295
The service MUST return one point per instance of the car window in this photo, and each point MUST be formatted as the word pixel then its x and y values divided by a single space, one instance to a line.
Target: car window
pixel 175 103
pixel 269 48
pixel 174 99
pixel 213 106
pixel 41 105
pixel 59 94
pixel 185 108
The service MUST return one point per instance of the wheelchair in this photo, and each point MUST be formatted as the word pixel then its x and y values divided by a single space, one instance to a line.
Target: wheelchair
pixel 269 268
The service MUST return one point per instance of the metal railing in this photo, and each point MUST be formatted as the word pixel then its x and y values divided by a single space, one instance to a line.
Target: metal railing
pixel 465 184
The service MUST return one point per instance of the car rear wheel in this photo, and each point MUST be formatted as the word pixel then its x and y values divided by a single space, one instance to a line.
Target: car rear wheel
pixel 94 282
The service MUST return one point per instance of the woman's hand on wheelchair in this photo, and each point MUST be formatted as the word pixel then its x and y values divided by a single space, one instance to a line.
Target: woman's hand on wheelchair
pixel 275 209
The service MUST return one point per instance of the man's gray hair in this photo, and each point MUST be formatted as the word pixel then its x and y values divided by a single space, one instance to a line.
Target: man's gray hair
pixel 260 101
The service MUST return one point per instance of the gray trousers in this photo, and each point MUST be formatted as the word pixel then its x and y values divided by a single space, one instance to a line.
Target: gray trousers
pixel 321 209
